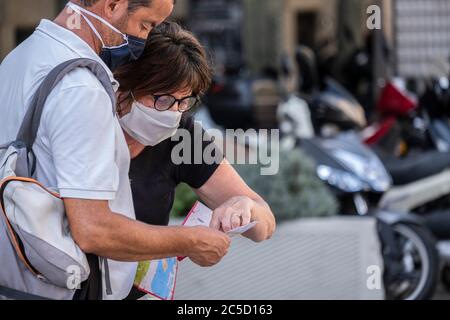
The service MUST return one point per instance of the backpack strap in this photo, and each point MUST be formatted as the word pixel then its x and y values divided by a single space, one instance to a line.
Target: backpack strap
pixel 30 125
pixel 92 288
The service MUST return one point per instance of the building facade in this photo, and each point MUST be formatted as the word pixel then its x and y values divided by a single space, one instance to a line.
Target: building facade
pixel 268 28
pixel 18 19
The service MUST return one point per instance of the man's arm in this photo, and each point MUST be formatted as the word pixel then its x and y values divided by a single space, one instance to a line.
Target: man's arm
pixel 99 231
pixel 80 127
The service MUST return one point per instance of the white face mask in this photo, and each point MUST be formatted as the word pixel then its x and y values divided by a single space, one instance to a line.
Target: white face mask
pixel 149 126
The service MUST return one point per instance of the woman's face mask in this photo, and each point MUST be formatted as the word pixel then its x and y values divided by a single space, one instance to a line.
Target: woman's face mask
pixel 116 56
pixel 149 126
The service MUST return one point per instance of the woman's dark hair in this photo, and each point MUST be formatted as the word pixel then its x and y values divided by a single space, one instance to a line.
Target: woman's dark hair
pixel 173 60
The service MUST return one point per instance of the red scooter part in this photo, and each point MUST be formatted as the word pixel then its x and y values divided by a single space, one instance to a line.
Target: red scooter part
pixel 395 102
pixel 392 104
pixel 379 131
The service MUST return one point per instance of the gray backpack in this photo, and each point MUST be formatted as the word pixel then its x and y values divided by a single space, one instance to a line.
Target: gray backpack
pixel 38 255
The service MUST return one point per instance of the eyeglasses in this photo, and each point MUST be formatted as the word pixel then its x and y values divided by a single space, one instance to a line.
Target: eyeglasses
pixel 166 102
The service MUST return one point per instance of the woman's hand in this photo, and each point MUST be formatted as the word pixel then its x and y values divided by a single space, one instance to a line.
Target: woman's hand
pixel 237 205
pixel 234 213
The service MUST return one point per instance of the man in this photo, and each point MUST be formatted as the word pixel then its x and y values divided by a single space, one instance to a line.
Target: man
pixel 80 147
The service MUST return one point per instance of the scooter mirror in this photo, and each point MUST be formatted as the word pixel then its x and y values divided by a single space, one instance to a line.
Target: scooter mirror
pixel 309 74
pixel 287 68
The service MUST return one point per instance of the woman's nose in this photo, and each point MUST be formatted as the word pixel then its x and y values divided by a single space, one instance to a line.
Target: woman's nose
pixel 176 106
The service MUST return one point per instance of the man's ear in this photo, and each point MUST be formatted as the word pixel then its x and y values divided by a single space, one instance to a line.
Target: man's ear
pixel 115 9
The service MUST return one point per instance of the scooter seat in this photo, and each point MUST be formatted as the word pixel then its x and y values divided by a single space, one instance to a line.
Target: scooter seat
pixel 416 167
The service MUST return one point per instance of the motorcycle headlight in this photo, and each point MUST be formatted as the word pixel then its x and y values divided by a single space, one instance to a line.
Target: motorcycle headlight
pixel 340 179
pixel 369 170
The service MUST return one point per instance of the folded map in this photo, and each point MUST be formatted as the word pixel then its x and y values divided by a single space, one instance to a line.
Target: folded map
pixel 158 278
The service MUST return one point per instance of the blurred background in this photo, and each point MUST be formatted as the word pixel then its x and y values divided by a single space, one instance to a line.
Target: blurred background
pixel 360 91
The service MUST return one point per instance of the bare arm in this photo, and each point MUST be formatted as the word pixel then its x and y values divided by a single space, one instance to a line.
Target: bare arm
pixel 226 193
pixel 99 231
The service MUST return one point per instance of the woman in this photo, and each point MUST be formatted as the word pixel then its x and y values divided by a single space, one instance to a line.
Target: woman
pixel 155 94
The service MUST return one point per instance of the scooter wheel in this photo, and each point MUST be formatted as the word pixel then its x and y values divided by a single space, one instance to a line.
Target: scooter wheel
pixel 445 277
pixel 418 261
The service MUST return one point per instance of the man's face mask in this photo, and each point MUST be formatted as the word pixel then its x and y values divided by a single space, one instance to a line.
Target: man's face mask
pixel 115 56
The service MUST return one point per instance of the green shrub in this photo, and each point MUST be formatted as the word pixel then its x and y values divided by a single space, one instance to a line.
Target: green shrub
pixel 185 199
pixel 295 192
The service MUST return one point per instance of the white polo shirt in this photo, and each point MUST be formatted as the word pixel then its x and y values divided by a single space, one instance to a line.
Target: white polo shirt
pixel 80 147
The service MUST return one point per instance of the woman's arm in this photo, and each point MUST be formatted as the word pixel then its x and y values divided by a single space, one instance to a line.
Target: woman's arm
pixel 231 197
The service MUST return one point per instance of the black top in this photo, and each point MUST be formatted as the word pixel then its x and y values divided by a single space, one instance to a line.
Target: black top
pixel 154 178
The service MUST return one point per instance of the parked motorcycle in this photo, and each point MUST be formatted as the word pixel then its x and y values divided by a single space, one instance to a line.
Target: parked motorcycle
pixel 420 168
pixel 333 108
pixel 241 101
pixel 412 137
pixel 359 180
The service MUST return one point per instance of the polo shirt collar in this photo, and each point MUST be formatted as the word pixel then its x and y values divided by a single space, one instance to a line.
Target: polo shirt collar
pixel 74 43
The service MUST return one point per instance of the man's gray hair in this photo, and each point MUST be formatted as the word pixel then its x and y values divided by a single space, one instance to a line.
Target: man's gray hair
pixel 132 4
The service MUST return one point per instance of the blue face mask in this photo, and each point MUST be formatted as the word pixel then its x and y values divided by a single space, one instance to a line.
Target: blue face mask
pixel 115 56
pixel 118 56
